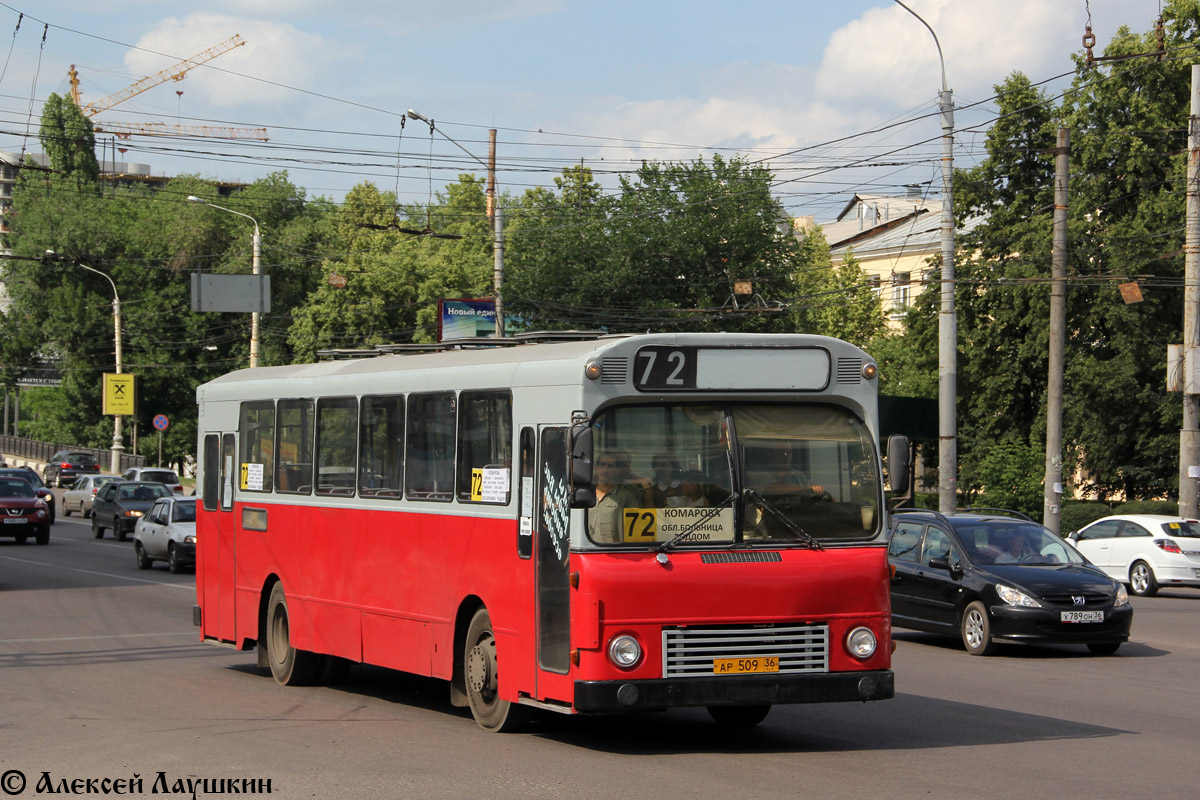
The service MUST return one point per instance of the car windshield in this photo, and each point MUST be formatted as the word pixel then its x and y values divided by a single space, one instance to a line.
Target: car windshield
pixel 1012 542
pixel 15 487
pixel 184 512
pixel 803 471
pixel 1186 528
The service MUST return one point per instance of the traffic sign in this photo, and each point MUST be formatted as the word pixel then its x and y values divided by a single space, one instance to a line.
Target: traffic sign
pixel 161 422
pixel 118 397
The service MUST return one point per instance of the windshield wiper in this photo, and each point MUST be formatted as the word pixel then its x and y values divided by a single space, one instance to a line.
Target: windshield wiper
pixel 690 529
pixel 797 533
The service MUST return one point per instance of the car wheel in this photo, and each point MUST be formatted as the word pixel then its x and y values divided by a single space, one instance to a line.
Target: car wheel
pixel 174 566
pixel 481 673
pixel 977 630
pixel 1141 580
pixel 43 536
pixel 85 512
pixel 289 666
pixel 66 509
pixel 139 553
pixel 97 531
pixel 119 532
pixel 1103 648
pixel 738 716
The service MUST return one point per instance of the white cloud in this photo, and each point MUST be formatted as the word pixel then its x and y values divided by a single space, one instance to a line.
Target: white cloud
pixel 887 56
pixel 274 53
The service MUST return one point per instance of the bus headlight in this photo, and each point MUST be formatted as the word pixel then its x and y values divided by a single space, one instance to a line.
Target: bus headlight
pixel 861 643
pixel 624 651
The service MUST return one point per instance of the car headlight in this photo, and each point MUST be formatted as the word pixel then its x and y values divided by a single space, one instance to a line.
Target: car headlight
pixel 189 540
pixel 1016 598
pixel 861 643
pixel 1122 596
pixel 133 512
pixel 41 513
pixel 624 651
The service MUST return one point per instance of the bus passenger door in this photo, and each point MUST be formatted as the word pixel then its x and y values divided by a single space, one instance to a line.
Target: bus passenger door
pixel 215 562
pixel 551 554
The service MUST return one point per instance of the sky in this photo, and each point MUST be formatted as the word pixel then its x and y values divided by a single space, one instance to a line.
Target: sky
pixel 836 97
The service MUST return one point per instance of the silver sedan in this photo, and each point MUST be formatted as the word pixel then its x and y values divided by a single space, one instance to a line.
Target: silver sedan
pixel 167 532
pixel 79 497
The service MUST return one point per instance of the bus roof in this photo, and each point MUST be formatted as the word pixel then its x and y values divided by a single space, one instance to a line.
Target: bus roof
pixel 538 363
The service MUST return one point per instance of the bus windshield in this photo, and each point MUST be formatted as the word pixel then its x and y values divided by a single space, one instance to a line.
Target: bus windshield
pixel 798 472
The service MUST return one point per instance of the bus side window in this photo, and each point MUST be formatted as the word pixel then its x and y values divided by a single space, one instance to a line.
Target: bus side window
pixel 381 447
pixel 337 426
pixel 485 447
pixel 429 447
pixel 256 432
pixel 294 443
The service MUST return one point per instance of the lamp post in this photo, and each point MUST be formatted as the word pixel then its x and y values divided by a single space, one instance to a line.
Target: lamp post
pixel 255 269
pixel 118 443
pixel 498 229
pixel 948 318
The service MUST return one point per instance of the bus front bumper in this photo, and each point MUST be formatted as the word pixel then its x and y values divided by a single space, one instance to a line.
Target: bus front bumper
pixel 652 695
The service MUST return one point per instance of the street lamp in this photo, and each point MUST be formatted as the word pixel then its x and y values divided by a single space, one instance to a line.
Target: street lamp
pixel 255 269
pixel 948 318
pixel 118 443
pixel 498 233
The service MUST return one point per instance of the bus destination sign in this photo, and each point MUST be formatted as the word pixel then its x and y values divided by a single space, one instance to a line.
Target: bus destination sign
pixel 659 368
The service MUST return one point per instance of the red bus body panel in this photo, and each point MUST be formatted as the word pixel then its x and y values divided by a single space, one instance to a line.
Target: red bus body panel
pixel 412 572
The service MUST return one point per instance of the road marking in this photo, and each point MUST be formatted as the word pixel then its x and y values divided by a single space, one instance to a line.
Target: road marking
pixel 185 587
pixel 106 636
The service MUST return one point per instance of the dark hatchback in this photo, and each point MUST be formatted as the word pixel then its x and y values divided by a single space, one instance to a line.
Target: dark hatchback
pixel 67 465
pixel 120 504
pixel 996 576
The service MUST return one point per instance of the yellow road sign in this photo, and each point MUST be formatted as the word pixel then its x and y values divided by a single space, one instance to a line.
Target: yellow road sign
pixel 118 394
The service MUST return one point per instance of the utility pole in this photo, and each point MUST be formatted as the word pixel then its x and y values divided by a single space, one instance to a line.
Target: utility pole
pixel 1052 488
pixel 498 272
pixel 491 180
pixel 1189 436
pixel 947 321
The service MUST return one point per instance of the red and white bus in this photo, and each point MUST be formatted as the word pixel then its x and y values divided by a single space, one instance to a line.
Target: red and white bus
pixel 438 513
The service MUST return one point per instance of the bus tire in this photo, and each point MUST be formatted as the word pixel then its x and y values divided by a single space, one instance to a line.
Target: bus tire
pixel 289 666
pixel 480 672
pixel 738 716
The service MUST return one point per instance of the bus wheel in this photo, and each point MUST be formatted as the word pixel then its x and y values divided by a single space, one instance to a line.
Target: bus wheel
pixel 738 716
pixel 289 666
pixel 481 676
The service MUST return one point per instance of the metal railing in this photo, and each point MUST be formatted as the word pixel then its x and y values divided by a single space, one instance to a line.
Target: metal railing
pixel 41 451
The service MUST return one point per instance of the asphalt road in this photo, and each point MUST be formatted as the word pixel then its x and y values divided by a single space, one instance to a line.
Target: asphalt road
pixel 102 678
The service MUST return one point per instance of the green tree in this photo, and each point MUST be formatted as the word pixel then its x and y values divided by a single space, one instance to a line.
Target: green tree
pixel 665 252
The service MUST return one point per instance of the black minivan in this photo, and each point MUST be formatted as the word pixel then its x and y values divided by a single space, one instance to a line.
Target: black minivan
pixel 993 576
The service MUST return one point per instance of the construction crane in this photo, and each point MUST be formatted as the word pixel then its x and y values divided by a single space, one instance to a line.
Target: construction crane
pixel 176 73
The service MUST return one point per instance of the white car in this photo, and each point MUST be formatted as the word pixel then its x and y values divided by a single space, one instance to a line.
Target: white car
pixel 167 532
pixel 1146 551
pixel 161 475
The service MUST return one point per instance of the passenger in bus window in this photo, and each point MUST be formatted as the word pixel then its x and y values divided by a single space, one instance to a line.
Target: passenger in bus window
pixel 613 496
pixel 774 473
pixel 665 489
pixel 694 492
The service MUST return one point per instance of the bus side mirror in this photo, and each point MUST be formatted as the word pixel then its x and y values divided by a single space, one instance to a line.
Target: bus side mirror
pixel 583 490
pixel 898 464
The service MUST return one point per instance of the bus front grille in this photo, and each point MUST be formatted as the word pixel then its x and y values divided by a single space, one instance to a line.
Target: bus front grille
pixel 692 652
